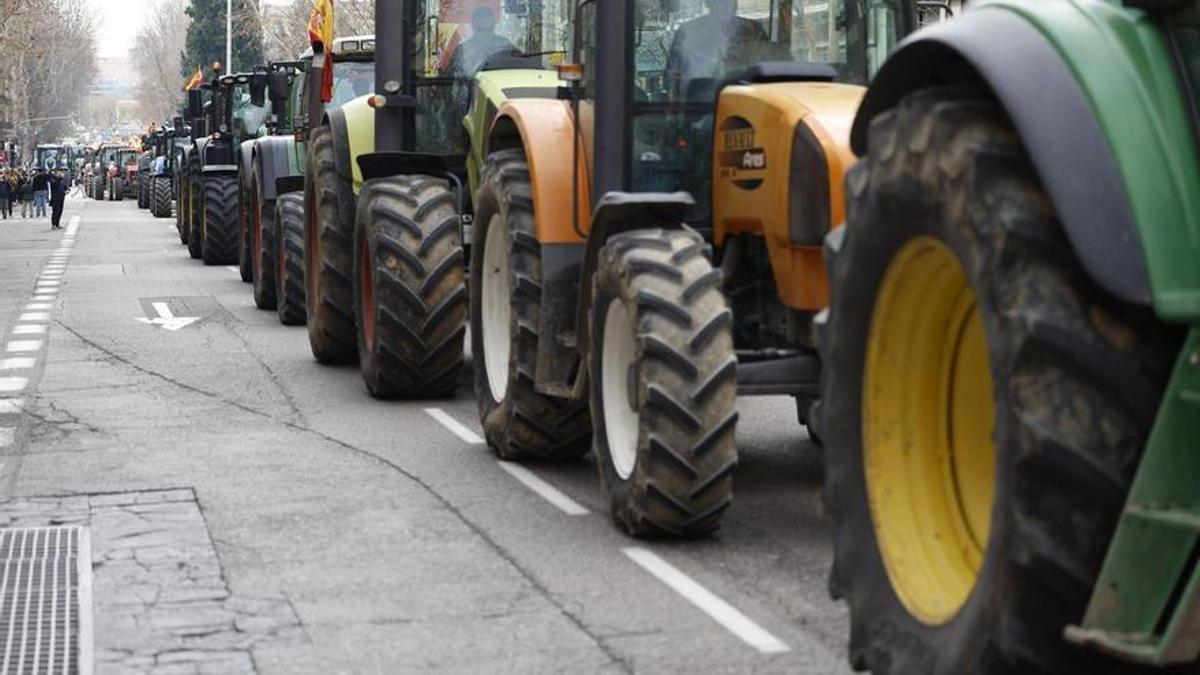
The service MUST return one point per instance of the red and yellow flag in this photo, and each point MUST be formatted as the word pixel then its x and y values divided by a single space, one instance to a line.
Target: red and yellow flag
pixel 320 35
pixel 196 81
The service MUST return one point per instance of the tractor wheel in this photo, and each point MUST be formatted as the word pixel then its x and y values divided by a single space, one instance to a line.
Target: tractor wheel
pixel 195 212
pixel 98 188
pixel 246 222
pixel 219 230
pixel 410 297
pixel 329 255
pixel 262 236
pixel 182 203
pixel 116 191
pixel 289 258
pixel 143 192
pixel 506 285
pixel 160 197
pixel 984 403
pixel 663 381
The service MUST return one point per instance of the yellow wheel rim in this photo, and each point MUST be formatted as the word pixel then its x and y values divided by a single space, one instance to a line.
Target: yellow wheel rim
pixel 929 453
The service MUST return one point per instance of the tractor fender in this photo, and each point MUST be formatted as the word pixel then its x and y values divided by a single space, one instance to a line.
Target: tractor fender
pixel 246 164
pixel 273 154
pixel 353 129
pixel 999 49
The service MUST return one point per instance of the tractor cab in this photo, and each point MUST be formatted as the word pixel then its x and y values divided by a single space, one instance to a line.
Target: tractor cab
pixel 50 157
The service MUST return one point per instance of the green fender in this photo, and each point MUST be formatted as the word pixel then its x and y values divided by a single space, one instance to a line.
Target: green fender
pixel 493 87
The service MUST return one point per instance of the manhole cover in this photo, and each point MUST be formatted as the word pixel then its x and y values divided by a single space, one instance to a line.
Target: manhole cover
pixel 45 600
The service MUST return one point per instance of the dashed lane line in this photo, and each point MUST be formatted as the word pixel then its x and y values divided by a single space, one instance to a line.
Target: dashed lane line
pixel 706 601
pixel 11 406
pixel 34 316
pixel 18 363
pixel 30 329
pixel 20 346
pixel 457 428
pixel 544 490
pixel 13 385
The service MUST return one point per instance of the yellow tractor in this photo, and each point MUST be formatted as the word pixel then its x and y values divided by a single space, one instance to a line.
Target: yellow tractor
pixel 648 246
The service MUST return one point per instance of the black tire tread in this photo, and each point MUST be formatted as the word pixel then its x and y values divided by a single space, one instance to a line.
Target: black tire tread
pixel 220 231
pixel 331 327
pixel 289 275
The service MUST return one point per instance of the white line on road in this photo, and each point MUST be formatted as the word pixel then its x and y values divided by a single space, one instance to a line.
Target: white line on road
pixel 49 282
pixel 543 489
pixel 18 363
pixel 30 329
pixel 11 406
pixel 24 346
pixel 36 306
pixel 234 268
pixel 6 436
pixel 35 316
pixel 44 298
pixel 11 385
pixel 454 426
pixel 722 612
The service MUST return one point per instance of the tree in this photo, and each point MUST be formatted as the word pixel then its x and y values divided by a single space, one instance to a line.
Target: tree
pixel 205 42
pixel 285 27
pixel 157 55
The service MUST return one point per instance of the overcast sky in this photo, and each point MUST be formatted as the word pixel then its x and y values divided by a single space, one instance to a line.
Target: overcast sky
pixel 121 20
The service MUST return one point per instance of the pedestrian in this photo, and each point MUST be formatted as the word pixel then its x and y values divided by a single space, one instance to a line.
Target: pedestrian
pixel 41 193
pixel 58 197
pixel 25 194
pixel 6 190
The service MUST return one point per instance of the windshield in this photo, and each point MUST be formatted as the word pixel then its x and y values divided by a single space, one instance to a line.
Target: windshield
pixel 109 156
pixel 51 158
pixel 351 79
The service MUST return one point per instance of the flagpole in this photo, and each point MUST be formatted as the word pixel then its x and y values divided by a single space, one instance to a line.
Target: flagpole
pixel 229 36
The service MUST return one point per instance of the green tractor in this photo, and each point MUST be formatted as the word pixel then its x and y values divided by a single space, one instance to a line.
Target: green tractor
pixel 1010 403
pixel 236 112
pixel 387 262
pixel 280 160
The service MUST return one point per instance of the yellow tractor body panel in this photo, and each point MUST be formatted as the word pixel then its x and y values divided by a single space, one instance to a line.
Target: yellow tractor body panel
pixel 752 187
pixel 360 120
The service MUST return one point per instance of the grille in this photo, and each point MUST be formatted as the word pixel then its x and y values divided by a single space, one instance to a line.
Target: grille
pixel 45 600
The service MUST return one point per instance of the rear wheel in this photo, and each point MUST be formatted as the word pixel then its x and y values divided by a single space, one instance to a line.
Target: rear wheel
pixel 329 255
pixel 262 235
pixel 182 202
pixel 195 240
pixel 410 296
pixel 247 199
pixel 98 188
pixel 984 403
pixel 289 258
pixel 160 197
pixel 663 379
pixel 219 229
pixel 143 191
pixel 116 190
pixel 506 285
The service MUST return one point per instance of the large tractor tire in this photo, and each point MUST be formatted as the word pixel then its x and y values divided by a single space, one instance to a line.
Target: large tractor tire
pixel 160 196
pixel 116 190
pixel 143 191
pixel 329 255
pixel 506 286
pixel 410 297
pixel 195 239
pixel 984 402
pixel 263 255
pixel 98 188
pixel 663 384
pixel 246 221
pixel 219 230
pixel 183 205
pixel 289 259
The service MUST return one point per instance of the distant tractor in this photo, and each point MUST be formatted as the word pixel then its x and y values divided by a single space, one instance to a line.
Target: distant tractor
pixel 166 146
pixel 51 157
pixel 121 174
pixel 1011 398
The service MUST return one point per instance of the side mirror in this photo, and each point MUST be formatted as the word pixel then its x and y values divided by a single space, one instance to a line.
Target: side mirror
pixel 258 89
pixel 279 85
pixel 195 104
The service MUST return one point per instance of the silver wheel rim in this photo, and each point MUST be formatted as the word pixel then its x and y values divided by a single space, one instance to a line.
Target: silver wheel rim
pixel 496 314
pixel 620 412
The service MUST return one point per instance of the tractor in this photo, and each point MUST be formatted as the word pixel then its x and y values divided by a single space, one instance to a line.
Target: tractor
pixel 456 65
pixel 1010 404
pixel 167 145
pixel 281 160
pixel 235 112
pixel 648 246
pixel 48 157
pixel 96 172
pixel 121 174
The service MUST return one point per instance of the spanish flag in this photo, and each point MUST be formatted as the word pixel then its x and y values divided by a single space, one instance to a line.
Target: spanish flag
pixel 320 34
pixel 196 81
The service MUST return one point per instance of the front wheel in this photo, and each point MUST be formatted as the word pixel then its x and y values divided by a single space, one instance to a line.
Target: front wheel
pixel 219 228
pixel 246 222
pixel 160 196
pixel 195 240
pixel 329 254
pixel 663 380
pixel 984 403
pixel 289 258
pixel 409 292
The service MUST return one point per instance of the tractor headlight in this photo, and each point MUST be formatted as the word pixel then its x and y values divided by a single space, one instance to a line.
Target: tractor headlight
pixel 808 206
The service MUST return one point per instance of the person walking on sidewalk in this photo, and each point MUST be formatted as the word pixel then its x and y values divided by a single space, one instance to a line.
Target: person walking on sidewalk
pixel 41 193
pixel 6 190
pixel 25 194
pixel 58 197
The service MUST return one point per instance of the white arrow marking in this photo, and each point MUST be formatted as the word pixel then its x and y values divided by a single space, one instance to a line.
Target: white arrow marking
pixel 167 319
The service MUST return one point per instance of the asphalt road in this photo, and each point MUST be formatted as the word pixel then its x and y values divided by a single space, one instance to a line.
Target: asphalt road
pixel 347 534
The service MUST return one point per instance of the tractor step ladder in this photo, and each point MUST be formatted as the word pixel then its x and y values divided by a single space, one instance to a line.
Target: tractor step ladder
pixel 1146 604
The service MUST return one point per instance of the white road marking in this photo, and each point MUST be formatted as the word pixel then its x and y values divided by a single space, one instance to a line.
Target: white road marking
pixel 30 329
pixel 18 363
pixel 12 385
pixel 11 406
pixel 35 316
pixel 544 490
pixel 18 346
pixel 234 268
pixel 45 298
pixel 6 436
pixel 39 306
pixel 166 318
pixel 720 611
pixel 49 282
pixel 455 427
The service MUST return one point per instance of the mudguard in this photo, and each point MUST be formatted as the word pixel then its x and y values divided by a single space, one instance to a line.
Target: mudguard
pixel 1098 131
pixel 274 156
